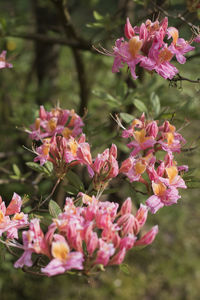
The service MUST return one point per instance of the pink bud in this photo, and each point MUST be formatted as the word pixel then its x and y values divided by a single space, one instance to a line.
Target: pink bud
pixel 197 39
pixel 127 242
pixel 161 169
pixel 128 30
pixel 129 224
pixel 166 126
pixel 15 205
pixel 141 214
pixel 92 243
pixel 126 165
pixel 113 150
pixel 148 238
pixel 83 153
pixel 118 258
pixel 183 168
pixel 152 129
pixel 116 240
pixel 126 207
pixel 42 113
pixel 81 139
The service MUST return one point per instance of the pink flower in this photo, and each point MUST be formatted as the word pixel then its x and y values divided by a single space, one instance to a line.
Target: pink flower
pixel 57 121
pixel 33 242
pixel 178 47
pixel 141 142
pixel 18 220
pixel 147 48
pixel 3 63
pixel 127 52
pixel 63 259
pixel 162 196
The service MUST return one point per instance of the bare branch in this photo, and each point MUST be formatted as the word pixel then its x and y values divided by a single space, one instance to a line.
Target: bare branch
pixel 179 16
pixel 80 66
pixel 178 77
pixel 53 40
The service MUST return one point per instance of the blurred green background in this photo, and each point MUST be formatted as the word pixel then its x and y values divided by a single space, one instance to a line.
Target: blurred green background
pixel 54 63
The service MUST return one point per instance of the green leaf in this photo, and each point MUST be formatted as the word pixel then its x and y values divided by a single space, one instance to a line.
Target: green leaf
pixel 49 167
pixel 15 177
pixel 111 191
pixel 70 189
pixel 93 25
pixel 97 16
pixel 140 105
pixel 75 181
pixel 127 117
pixel 155 102
pixel 34 166
pixel 38 168
pixel 16 170
pixel 125 269
pixel 54 209
pixel 105 97
pixel 167 116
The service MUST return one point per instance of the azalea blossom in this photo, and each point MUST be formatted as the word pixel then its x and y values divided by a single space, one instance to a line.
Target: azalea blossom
pixel 3 63
pixel 146 47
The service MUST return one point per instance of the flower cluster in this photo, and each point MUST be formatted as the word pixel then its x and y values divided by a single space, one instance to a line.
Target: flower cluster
pixel 82 237
pixel 147 140
pixel 62 141
pixel 91 234
pixel 64 144
pixel 148 48
pixel 8 224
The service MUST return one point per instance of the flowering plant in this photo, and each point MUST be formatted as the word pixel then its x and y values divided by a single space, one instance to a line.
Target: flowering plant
pixel 91 233
pixel 148 46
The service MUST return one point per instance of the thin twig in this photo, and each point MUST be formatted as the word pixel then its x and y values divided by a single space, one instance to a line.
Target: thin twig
pixel 179 16
pixel 181 78
pixel 47 198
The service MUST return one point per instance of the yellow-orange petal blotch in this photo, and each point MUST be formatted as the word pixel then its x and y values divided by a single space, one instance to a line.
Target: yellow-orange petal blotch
pixel 158 188
pixel 135 44
pixel 60 250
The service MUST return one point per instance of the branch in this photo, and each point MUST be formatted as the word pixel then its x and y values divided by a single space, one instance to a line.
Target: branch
pixel 193 56
pixel 181 78
pixel 80 66
pixel 47 198
pixel 53 40
pixel 179 16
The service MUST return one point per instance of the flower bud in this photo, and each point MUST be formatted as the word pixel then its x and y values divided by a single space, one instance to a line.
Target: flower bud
pixel 148 238
pixel 141 214
pixel 128 30
pixel 126 207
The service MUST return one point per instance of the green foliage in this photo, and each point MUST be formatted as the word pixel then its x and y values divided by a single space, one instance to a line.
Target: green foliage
pixel 46 169
pixel 54 209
